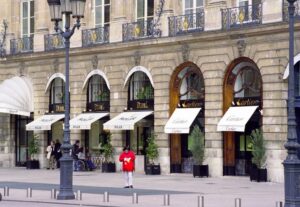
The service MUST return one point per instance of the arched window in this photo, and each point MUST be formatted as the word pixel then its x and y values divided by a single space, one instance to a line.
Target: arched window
pixel 190 87
pixel 247 82
pixel 98 94
pixel 140 87
pixel 57 95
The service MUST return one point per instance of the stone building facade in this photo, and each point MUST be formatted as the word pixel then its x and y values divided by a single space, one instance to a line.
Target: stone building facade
pixel 211 39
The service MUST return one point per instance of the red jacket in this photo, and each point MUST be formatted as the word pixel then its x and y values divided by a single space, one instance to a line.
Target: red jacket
pixel 128 160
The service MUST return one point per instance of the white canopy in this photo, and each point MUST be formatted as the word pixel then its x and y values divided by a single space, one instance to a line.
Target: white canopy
pixel 126 120
pixel 84 121
pixel 181 120
pixel 16 96
pixel 44 122
pixel 236 118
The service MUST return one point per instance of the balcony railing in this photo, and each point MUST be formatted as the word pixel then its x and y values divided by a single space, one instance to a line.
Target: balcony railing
pixel 140 30
pixel 53 42
pixel 285 11
pixel 188 23
pixel 99 35
pixel 21 45
pixel 241 16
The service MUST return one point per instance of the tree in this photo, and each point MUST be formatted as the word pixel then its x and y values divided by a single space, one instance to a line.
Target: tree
pixel 196 145
pixel 152 149
pixel 259 150
pixel 33 146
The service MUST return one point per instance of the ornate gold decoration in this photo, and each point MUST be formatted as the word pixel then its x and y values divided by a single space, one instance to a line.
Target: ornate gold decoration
pixel 241 16
pixel 137 30
pixel 185 24
pixel 94 36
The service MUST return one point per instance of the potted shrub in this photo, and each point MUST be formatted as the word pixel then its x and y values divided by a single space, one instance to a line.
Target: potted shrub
pixel 33 149
pixel 152 154
pixel 258 171
pixel 108 164
pixel 196 142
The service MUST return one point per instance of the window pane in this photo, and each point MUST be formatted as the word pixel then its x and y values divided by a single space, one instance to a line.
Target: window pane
pixel 98 18
pixel 189 11
pixel 106 14
pixel 140 8
pixel 150 8
pixel 31 25
pixel 98 2
pixel 107 2
pixel 25 27
pixel 32 8
pixel 199 3
pixel 25 9
pixel 188 3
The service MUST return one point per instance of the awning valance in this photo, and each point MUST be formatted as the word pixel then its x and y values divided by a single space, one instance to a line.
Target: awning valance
pixel 181 120
pixel 236 118
pixel 16 96
pixel 126 120
pixel 85 120
pixel 44 122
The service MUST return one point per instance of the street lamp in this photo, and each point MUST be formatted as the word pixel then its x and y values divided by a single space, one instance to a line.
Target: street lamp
pixel 57 9
pixel 291 163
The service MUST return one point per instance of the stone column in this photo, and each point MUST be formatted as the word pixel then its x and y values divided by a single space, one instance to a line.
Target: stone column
pixel 42 24
pixel 168 11
pixel 213 17
pixel 272 11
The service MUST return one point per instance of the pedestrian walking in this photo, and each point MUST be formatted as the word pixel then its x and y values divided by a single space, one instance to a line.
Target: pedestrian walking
pixel 127 157
pixel 50 156
pixel 57 152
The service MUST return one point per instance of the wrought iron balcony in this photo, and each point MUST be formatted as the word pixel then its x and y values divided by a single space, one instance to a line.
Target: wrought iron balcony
pixel 140 30
pixel 21 45
pixel 183 24
pixel 242 16
pixel 54 42
pixel 99 35
pixel 285 12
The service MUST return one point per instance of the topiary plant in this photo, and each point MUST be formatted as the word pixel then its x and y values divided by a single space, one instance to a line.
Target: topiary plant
pixel 152 149
pixel 108 150
pixel 259 150
pixel 196 145
pixel 33 147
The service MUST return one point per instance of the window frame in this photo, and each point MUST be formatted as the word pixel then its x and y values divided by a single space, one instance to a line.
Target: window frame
pixel 145 17
pixel 194 7
pixel 28 18
pixel 102 5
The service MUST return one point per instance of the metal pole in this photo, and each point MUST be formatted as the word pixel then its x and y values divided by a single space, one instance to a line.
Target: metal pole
pixel 106 197
pixel 79 195
pixel 279 204
pixel 53 193
pixel 200 201
pixel 166 199
pixel 29 193
pixel 135 198
pixel 6 191
pixel 291 163
pixel 238 202
pixel 66 167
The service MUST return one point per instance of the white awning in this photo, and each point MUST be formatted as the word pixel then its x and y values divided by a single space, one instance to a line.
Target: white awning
pixel 84 121
pixel 44 122
pixel 16 96
pixel 126 120
pixel 236 118
pixel 181 120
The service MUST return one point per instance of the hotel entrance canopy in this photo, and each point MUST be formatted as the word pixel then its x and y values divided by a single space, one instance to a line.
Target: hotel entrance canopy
pixel 126 120
pixel 181 120
pixel 85 120
pixel 236 118
pixel 44 122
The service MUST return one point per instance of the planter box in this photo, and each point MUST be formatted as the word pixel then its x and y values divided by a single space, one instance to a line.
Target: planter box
pixel 33 164
pixel 108 167
pixel 200 170
pixel 152 170
pixel 176 168
pixel 258 175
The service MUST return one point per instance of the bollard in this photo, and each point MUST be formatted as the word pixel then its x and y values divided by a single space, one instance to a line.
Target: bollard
pixel 200 201
pixel 53 193
pixel 29 192
pixel 106 197
pixel 0 197
pixel 166 199
pixel 238 202
pixel 6 191
pixel 135 198
pixel 79 195
pixel 279 204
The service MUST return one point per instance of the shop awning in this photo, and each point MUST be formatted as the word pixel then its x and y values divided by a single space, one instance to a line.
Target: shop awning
pixel 44 122
pixel 16 96
pixel 84 121
pixel 181 120
pixel 126 120
pixel 236 118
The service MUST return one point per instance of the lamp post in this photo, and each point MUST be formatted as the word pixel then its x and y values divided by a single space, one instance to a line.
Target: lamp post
pixel 291 163
pixel 57 9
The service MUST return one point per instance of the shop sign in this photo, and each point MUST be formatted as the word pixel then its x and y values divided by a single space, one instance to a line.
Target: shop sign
pixel 199 103
pixel 246 102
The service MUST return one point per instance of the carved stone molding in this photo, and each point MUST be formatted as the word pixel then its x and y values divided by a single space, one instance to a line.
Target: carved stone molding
pixel 56 65
pixel 137 58
pixel 185 50
pixel 241 46
pixel 95 61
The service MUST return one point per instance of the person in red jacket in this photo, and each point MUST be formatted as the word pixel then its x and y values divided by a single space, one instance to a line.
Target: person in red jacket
pixel 127 158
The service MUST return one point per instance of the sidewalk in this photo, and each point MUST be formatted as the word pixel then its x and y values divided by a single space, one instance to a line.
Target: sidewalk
pixel 182 188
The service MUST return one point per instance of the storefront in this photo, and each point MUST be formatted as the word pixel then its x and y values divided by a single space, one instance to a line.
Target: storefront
pixel 242 107
pixel 186 110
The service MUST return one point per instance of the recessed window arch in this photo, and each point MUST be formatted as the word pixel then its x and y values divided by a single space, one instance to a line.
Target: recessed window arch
pixel 140 87
pixel 98 94
pixel 57 95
